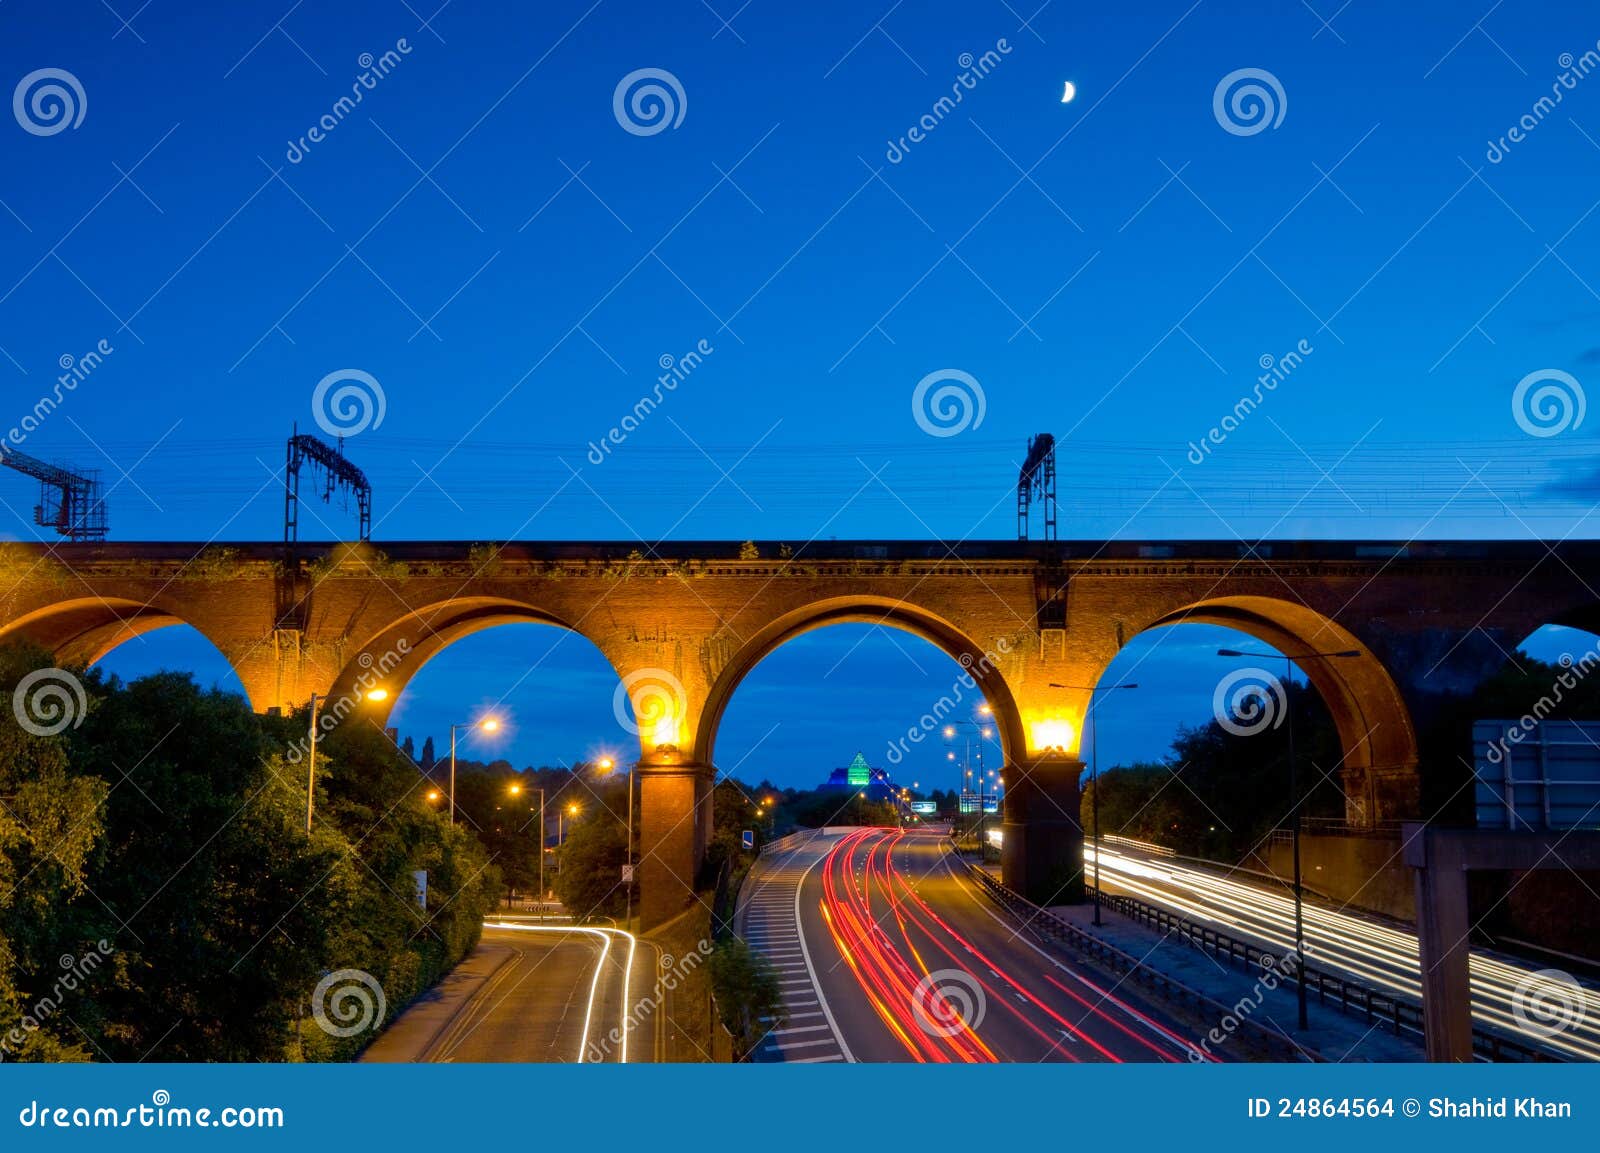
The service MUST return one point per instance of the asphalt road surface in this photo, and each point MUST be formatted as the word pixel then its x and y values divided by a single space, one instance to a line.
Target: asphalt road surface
pixel 887 951
pixel 552 994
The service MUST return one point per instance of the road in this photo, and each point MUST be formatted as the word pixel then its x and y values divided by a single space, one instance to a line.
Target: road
pixel 1505 995
pixel 887 951
pixel 542 993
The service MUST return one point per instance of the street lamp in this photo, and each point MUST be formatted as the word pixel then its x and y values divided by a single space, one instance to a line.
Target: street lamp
pixel 607 764
pixel 984 733
pixel 1094 772
pixel 1294 809
pixel 561 834
pixel 311 756
pixel 488 725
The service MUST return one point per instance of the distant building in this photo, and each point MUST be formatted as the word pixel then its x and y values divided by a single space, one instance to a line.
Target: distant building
pixel 858 776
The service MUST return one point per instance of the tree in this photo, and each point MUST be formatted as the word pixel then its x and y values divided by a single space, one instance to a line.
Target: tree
pixel 1224 790
pixel 745 986
pixel 163 837
pixel 589 882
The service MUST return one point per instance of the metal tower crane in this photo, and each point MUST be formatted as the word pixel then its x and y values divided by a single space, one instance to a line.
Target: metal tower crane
pixel 337 474
pixel 1037 481
pixel 69 502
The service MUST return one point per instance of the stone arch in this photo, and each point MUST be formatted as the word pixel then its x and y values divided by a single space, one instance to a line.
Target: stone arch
pixel 393 656
pixel 983 666
pixel 81 631
pixel 1379 771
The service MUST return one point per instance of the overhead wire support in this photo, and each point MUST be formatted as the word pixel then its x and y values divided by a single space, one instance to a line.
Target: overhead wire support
pixel 337 474
pixel 72 503
pixel 1037 482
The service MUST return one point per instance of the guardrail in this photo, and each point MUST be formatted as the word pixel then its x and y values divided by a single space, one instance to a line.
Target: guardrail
pixel 1049 927
pixel 1351 997
pixel 790 841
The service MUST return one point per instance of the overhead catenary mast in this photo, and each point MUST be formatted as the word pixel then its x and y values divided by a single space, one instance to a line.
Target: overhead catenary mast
pixel 70 502
pixel 337 474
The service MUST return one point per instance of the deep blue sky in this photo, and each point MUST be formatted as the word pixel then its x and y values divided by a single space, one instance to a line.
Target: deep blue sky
pixel 1121 296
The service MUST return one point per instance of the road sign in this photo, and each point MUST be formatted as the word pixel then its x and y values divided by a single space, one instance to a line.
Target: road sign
pixel 627 874
pixel 749 838
pixel 421 879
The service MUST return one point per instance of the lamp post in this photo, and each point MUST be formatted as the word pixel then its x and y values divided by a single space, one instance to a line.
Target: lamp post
pixel 488 725
pixel 984 733
pixel 561 834
pixel 541 853
pixel 379 694
pixel 608 765
pixel 1094 772
pixel 1294 810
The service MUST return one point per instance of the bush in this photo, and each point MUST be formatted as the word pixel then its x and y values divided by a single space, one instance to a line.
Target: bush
pixel 745 986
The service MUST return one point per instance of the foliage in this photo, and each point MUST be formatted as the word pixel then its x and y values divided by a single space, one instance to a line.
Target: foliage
pixel 169 825
pixel 589 882
pixel 1223 792
pixel 745 986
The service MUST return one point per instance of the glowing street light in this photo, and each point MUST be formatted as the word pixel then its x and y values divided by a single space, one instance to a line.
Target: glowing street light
pixel 376 694
pixel 488 725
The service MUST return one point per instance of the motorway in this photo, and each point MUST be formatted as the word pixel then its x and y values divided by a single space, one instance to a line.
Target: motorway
pixel 1505 995
pixel 542 993
pixel 887 951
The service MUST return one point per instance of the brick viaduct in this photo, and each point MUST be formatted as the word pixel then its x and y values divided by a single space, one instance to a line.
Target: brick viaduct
pixel 682 623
